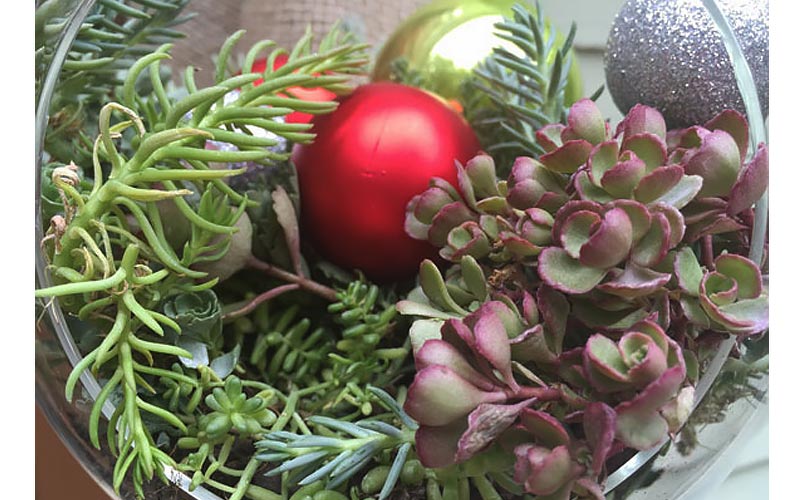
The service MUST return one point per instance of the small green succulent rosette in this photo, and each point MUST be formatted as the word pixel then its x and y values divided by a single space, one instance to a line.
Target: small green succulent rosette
pixel 199 315
pixel 231 409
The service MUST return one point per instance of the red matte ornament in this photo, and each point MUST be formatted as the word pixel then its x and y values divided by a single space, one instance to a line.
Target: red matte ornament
pixel 315 94
pixel 375 152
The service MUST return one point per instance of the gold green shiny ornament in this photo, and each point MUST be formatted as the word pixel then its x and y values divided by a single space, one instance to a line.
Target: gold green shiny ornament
pixel 446 39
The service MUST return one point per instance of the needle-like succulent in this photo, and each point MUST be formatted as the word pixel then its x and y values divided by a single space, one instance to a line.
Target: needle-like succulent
pixel 110 257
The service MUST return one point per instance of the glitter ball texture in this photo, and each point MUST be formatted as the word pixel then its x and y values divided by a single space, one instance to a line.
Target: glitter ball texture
pixel 668 54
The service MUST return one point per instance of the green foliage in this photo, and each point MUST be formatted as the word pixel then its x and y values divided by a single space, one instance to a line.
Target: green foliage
pixel 111 256
pixel 111 38
pixel 198 314
pixel 366 318
pixel 232 409
pixel 287 346
pixel 511 96
pixel 340 450
pixel 229 378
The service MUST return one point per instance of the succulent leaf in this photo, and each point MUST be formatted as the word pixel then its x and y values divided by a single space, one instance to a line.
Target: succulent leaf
pixel 610 241
pixel 599 425
pixel 648 147
pixel 450 216
pixel 587 190
pixel 545 428
pixel 654 245
pixel 491 342
pixel 565 273
pixel 482 176
pixel 657 183
pixel 485 424
pixel 438 352
pixel 543 471
pixel 622 178
pixel 466 239
pixel 751 184
pixel 422 330
pixel 577 230
pixel 549 136
pixel 567 158
pixel 534 345
pixel 602 159
pixel 677 411
pixel 732 295
pixel 640 358
pixel 717 161
pixel 735 124
pixel 635 281
pixel 639 215
pixel 439 396
pixel 640 424
pixel 437 446
pixel 643 119
pixel 585 121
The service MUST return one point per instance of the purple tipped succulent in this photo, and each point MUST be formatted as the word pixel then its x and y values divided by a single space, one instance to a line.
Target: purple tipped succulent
pixel 596 240
pixel 579 273
pixel 556 465
pixel 634 165
pixel 647 370
pixel 484 217
pixel 729 298
pixel 462 379
pixel 568 147
pixel 432 214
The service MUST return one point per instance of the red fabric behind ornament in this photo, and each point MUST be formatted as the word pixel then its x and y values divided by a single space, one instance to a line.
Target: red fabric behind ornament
pixel 379 149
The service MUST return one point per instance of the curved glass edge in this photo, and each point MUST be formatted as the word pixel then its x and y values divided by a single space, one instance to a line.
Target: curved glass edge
pixel 673 475
pixel 712 479
pixel 56 352
pixel 747 88
pixel 51 336
pixel 69 420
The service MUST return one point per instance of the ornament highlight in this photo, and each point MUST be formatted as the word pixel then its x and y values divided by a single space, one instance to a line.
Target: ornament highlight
pixel 371 156
pixel 446 39
pixel 668 54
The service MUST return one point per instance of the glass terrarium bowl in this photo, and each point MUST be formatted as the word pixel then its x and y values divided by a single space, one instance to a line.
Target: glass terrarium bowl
pixel 690 466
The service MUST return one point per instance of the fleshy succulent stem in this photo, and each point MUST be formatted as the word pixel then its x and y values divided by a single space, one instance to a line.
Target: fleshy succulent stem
pixel 541 394
pixel 309 285
pixel 708 252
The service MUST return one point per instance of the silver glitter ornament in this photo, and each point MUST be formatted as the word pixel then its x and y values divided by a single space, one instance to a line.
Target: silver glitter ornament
pixel 669 54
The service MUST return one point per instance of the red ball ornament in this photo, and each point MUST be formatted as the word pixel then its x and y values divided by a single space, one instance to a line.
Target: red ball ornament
pixel 318 94
pixel 375 152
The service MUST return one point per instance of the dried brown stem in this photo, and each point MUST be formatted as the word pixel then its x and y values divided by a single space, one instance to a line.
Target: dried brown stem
pixel 269 294
pixel 307 284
